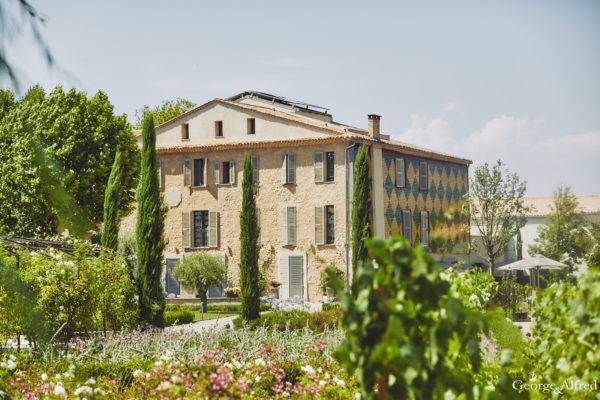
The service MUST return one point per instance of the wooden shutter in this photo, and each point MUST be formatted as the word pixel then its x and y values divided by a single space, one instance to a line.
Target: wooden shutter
pixel 213 229
pixel 291 222
pixel 216 172
pixel 291 172
pixel 284 275
pixel 400 176
pixel 284 230
pixel 407 225
pixel 187 172
pixel 284 168
pixel 318 166
pixel 425 228
pixel 204 172
pixel 186 231
pixel 255 168
pixel 232 172
pixel 319 226
pixel 423 172
pixel 296 276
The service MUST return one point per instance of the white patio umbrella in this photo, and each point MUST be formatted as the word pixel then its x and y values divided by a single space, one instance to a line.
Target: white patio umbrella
pixel 533 264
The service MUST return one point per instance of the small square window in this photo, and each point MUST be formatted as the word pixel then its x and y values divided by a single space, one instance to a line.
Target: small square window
pixel 251 125
pixel 185 131
pixel 219 128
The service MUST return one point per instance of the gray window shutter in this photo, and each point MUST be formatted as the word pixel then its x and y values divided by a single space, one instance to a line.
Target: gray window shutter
pixel 232 172
pixel 186 231
pixel 400 176
pixel 284 168
pixel 284 276
pixel 291 172
pixel 425 229
pixel 205 172
pixel 284 231
pixel 319 228
pixel 255 168
pixel 423 175
pixel 216 172
pixel 296 276
pixel 187 172
pixel 318 166
pixel 407 225
pixel 291 222
pixel 213 229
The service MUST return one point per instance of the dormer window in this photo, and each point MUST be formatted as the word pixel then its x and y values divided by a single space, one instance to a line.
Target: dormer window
pixel 185 132
pixel 218 128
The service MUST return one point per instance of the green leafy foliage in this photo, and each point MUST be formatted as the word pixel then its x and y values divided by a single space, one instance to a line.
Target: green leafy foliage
pixel 505 333
pixel 167 110
pixel 564 237
pixel 496 208
pixel 249 234
pixel 228 308
pixel 512 295
pixel 361 206
pixel 110 227
pixel 326 281
pixel 475 288
pixel 566 336
pixel 406 335
pixel 56 153
pixel 201 271
pixel 319 321
pixel 179 317
pixel 149 232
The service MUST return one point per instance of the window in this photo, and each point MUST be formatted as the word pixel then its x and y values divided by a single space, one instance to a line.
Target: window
pixel 330 157
pixel 185 132
pixel 400 176
pixel 324 225
pixel 423 172
pixel 224 173
pixel 251 126
pixel 425 229
pixel 219 128
pixel 324 166
pixel 199 229
pixel 254 161
pixel 172 285
pixel 289 168
pixel 406 225
pixel 289 226
pixel 199 172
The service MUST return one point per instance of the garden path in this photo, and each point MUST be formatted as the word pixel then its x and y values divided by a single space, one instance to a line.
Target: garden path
pixel 220 323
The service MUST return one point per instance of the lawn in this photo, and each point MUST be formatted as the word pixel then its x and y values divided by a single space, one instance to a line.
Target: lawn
pixel 199 316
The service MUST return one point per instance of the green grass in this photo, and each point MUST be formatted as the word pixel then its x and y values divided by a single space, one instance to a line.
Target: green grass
pixel 210 315
pixel 504 332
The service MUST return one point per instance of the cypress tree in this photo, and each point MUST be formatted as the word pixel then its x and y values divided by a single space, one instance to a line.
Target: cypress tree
pixel 519 245
pixel 249 273
pixel 149 231
pixel 361 207
pixel 112 200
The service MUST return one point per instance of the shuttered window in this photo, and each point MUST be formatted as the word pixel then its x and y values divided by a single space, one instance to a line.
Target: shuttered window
pixel 400 175
pixel 318 166
pixel 225 177
pixel 186 232
pixel 423 175
pixel 200 228
pixel 254 161
pixel 199 172
pixel 213 231
pixel 216 172
pixel 289 168
pixel 232 172
pixel 407 225
pixel 425 229
pixel 330 166
pixel 289 226
pixel 187 172
pixel 296 276
pixel 329 225
pixel 319 226
pixel 284 275
pixel 205 232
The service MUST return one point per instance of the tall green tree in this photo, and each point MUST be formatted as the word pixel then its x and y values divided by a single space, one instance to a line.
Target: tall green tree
pixel 519 245
pixel 112 199
pixel 249 232
pixel 69 138
pixel 201 271
pixel 167 110
pixel 593 258
pixel 565 236
pixel 361 207
pixel 496 207
pixel 149 231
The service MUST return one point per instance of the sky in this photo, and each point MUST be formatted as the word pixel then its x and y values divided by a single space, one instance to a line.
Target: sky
pixel 507 79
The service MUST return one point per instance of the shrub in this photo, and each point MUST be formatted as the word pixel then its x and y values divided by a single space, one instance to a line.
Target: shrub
pixel 293 320
pixel 201 271
pixel 475 287
pixel 504 332
pixel 178 317
pixel 326 281
pixel 228 308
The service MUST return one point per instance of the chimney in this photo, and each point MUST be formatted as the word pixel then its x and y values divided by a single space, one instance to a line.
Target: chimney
pixel 374 125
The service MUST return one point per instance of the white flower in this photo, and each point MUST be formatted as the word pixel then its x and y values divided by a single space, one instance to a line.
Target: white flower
pixel 310 371
pixel 44 377
pixel 69 263
pixel 237 364
pixel 260 362
pixel 10 365
pixel 12 357
pixel 176 379
pixel 91 381
pixel 84 390
pixel 164 385
pixel 322 383
pixel 158 364
pixel 137 373
pixel 339 382
pixel 257 379
pixel 62 271
pixel 59 390
pixel 57 376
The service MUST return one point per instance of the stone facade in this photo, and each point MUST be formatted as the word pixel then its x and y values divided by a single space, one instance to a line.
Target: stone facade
pixel 281 127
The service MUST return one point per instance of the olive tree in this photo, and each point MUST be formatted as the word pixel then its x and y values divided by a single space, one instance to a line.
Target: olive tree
pixel 201 271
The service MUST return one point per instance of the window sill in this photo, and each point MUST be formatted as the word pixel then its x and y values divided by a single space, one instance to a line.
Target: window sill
pixel 325 182
pixel 185 140
pixel 219 137
pixel 199 187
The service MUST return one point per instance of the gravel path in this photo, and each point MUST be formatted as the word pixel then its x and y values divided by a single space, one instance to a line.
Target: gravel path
pixel 220 323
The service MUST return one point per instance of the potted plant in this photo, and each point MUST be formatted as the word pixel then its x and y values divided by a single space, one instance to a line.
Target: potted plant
pixel 275 288
pixel 233 292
